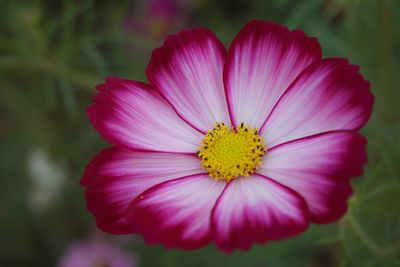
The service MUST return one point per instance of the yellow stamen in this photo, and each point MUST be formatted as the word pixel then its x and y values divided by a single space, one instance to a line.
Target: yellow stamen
pixel 228 153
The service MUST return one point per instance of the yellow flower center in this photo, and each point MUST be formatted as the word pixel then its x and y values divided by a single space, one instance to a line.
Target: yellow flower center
pixel 227 153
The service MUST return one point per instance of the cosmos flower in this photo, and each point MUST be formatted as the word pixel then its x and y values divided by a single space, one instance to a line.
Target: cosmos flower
pixel 95 252
pixel 233 147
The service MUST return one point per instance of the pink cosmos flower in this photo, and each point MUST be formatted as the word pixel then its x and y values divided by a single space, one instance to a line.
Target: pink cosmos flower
pixel 233 147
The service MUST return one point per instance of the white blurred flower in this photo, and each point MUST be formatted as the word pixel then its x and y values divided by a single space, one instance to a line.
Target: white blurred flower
pixel 46 177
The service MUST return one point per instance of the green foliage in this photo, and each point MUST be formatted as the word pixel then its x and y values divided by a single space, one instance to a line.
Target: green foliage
pixel 53 53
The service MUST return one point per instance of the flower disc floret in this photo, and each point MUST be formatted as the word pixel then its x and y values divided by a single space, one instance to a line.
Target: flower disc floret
pixel 227 153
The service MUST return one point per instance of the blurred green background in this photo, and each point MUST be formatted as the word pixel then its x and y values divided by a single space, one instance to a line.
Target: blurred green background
pixel 53 53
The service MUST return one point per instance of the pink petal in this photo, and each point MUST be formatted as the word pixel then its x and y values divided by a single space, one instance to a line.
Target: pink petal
pixel 256 209
pixel 263 61
pixel 131 115
pixel 115 177
pixel 329 95
pixel 318 168
pixel 187 70
pixel 177 213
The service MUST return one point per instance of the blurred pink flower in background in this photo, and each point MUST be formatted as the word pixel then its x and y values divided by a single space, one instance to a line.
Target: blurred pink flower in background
pixel 155 18
pixel 96 252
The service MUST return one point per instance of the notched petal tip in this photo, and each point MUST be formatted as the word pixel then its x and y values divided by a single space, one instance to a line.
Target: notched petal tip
pixel 186 37
pixel 130 114
pixel 187 71
pixel 319 168
pixel 236 224
pixel 115 177
pixel 175 213
pixel 263 60
pixel 334 96
pixel 260 27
